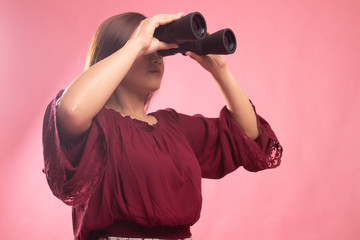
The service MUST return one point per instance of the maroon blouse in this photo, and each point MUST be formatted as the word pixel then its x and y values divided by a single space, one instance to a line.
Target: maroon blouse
pixel 131 179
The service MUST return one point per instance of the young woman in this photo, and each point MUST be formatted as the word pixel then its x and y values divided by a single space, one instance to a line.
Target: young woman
pixel 129 174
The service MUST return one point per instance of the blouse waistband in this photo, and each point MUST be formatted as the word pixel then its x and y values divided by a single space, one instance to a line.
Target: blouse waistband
pixel 136 231
pixel 127 238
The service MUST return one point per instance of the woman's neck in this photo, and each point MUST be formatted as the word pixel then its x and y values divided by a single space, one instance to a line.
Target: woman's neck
pixel 128 104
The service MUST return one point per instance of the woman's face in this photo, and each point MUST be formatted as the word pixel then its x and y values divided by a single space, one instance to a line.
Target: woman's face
pixel 145 74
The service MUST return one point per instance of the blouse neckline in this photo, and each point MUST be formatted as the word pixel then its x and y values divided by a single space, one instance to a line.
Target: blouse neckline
pixel 137 121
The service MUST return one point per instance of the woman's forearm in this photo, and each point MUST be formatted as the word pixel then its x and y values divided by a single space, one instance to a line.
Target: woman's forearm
pixel 237 102
pixel 89 92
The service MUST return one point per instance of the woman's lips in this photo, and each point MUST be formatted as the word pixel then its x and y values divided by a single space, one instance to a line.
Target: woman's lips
pixel 156 71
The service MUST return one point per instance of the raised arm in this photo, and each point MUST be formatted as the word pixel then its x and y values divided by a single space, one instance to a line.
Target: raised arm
pixel 237 102
pixel 89 92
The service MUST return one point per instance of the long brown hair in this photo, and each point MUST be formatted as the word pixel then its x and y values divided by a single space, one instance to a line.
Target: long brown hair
pixel 112 35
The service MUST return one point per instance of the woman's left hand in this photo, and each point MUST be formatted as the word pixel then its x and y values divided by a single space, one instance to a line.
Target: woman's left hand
pixel 215 64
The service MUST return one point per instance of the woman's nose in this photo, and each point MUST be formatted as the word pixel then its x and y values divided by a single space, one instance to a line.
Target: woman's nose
pixel 156 58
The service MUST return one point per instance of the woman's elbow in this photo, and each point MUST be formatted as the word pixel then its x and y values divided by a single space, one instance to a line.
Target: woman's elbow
pixel 71 120
pixel 253 134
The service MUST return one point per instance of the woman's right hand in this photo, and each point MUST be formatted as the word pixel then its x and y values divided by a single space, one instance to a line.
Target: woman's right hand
pixel 144 34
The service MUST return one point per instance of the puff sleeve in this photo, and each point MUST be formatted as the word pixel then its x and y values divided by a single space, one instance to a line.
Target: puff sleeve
pixel 221 146
pixel 73 170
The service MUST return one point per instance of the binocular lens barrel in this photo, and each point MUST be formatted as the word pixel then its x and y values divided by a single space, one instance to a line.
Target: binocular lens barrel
pixel 198 25
pixel 229 41
pixel 221 42
pixel 188 28
pixel 190 33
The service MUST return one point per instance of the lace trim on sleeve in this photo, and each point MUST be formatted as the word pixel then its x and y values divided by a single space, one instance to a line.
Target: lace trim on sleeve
pixel 274 153
pixel 73 171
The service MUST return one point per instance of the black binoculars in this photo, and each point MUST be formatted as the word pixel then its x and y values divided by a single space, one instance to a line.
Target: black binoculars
pixel 190 33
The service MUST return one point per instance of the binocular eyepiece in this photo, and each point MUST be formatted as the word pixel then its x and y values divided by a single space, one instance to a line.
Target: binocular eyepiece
pixel 190 33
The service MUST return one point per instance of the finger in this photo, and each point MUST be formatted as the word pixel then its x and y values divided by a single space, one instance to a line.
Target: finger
pixel 168 15
pixel 164 45
pixel 194 56
pixel 163 19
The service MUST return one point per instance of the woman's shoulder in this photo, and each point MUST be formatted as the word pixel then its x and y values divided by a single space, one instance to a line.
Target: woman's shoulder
pixel 166 114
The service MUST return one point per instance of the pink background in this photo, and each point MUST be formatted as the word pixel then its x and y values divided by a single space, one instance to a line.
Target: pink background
pixel 297 60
